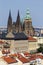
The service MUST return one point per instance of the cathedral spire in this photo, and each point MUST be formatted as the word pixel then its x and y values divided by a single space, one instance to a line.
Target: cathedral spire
pixel 18 18
pixel 10 14
pixel 9 26
pixel 18 23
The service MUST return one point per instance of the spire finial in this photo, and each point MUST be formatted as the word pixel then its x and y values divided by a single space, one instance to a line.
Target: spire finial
pixel 9 13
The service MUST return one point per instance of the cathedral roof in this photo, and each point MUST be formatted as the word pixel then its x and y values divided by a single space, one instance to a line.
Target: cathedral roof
pixel 10 35
pixel 13 36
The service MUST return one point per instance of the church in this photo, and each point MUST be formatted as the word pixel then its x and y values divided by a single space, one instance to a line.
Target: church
pixel 19 27
pixel 19 35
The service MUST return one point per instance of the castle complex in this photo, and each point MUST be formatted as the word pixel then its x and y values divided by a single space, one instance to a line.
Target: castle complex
pixel 18 45
pixel 18 27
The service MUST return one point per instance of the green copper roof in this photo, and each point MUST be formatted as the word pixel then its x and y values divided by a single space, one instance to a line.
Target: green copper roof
pixel 27 14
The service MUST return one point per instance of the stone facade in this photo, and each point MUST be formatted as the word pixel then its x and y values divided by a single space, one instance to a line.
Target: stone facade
pixel 18 27
pixel 22 46
pixel 9 25
pixel 28 27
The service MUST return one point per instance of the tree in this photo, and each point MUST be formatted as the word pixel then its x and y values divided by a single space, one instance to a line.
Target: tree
pixel 40 49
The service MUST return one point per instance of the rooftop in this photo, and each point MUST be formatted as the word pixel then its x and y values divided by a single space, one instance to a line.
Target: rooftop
pixel 17 36
pixel 23 59
pixel 1 42
pixel 31 39
pixel 9 60
pixel 5 51
pixel 27 54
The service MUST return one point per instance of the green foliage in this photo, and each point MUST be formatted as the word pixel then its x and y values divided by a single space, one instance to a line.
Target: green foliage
pixel 40 49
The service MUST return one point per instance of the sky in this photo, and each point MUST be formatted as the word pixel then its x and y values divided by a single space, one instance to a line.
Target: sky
pixel 35 7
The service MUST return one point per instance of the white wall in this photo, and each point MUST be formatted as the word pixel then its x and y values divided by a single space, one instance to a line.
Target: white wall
pixel 13 64
pixel 26 63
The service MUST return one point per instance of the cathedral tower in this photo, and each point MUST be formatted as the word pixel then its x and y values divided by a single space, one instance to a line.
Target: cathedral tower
pixel 18 24
pixel 28 24
pixel 9 26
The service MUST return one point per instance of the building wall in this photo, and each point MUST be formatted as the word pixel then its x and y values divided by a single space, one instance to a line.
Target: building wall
pixel 28 27
pixel 33 46
pixel 40 40
pixel 41 61
pixel 13 64
pixel 26 63
pixel 22 45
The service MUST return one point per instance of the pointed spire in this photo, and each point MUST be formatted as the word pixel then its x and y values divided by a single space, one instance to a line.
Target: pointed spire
pixel 18 13
pixel 18 23
pixel 9 26
pixel 10 14
pixel 18 18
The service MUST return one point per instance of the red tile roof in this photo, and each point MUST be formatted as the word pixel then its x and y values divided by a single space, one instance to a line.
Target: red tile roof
pixel 1 42
pixel 32 57
pixel 19 55
pixel 40 56
pixel 22 59
pixel 9 60
pixel 31 39
pixel 5 51
pixel 27 54
pixel 13 55
pixel 35 56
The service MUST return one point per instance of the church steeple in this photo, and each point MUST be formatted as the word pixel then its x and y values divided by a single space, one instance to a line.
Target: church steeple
pixel 18 23
pixel 10 14
pixel 9 26
pixel 18 19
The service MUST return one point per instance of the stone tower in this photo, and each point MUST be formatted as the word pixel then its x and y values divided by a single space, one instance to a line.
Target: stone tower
pixel 9 25
pixel 18 24
pixel 28 24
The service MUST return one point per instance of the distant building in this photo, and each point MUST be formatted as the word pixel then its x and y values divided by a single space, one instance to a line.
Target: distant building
pixel 18 27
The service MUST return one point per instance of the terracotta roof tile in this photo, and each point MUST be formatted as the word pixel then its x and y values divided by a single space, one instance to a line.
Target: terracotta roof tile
pixel 40 56
pixel 31 39
pixel 1 42
pixel 35 56
pixel 19 55
pixel 22 59
pixel 13 55
pixel 27 54
pixel 9 60
pixel 5 51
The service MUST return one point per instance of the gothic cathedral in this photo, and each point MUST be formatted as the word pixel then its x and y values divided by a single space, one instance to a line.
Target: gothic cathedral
pixel 18 27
